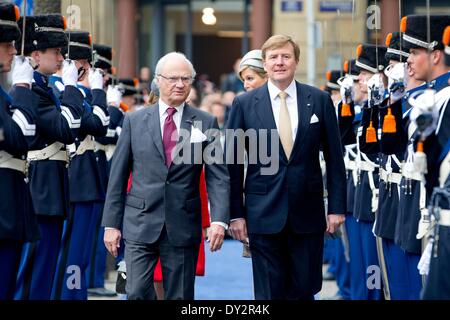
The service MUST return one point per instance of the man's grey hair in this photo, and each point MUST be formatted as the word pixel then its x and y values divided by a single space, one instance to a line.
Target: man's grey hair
pixel 172 55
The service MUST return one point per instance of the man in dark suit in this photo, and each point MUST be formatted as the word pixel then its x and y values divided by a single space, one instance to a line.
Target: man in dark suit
pixel 161 215
pixel 284 212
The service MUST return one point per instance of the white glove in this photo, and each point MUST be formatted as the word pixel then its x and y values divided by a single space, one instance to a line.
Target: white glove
pixel 347 89
pixel 95 79
pixel 396 80
pixel 69 73
pixel 113 96
pixel 22 71
pixel 424 112
pixel 424 262
pixel 375 90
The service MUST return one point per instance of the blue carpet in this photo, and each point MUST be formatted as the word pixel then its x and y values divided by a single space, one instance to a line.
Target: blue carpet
pixel 228 275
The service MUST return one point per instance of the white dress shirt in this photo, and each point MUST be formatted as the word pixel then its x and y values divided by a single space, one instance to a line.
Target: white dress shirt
pixel 291 102
pixel 176 116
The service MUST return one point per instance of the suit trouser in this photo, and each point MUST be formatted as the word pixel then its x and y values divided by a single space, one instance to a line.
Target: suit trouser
pixel 178 268
pixel 71 281
pixel 286 265
pixel 9 267
pixel 405 282
pixel 38 261
pixel 328 253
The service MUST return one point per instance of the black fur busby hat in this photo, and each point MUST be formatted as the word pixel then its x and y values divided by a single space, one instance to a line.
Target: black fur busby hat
pixel 350 68
pixel 332 78
pixel 394 51
pixel 9 29
pixel 415 31
pixel 80 43
pixel 129 86
pixel 446 41
pixel 43 32
pixel 367 58
pixel 103 57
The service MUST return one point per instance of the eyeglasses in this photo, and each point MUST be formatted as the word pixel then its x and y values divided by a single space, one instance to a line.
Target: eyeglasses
pixel 173 80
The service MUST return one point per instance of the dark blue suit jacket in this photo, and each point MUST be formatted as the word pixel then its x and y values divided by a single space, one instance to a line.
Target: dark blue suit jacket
pixel 294 194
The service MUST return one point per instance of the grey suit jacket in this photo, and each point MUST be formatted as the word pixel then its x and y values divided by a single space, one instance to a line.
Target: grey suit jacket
pixel 161 195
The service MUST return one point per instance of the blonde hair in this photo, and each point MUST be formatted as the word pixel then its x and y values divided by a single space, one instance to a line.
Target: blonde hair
pixel 261 72
pixel 278 41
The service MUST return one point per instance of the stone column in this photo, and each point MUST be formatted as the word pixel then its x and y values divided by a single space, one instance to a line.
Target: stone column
pixel 261 22
pixel 389 18
pixel 126 33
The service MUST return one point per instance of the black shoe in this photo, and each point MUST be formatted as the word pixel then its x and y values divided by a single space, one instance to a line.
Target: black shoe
pixel 328 276
pixel 101 292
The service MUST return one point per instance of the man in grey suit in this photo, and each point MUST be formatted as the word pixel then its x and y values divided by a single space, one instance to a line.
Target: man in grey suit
pixel 161 215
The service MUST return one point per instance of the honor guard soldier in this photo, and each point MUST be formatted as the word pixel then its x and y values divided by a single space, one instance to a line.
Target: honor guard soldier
pixel 430 113
pixel 18 111
pixel 86 192
pixel 339 245
pixel 399 285
pixel 427 64
pixel 57 125
pixel 349 118
pixel 438 280
pixel 371 62
pixel 397 143
pixel 97 266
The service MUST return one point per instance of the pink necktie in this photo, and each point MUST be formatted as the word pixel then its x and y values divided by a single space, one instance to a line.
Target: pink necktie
pixel 170 135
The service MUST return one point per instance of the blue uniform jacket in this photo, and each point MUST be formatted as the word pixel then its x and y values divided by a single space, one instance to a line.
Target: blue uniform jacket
pixel 58 120
pixel 17 121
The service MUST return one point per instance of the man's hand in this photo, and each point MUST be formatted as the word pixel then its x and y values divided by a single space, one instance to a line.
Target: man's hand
pixel 375 90
pixel 216 234
pixel 70 73
pixel 238 230
pixel 113 96
pixel 334 221
pixel 95 78
pixel 22 74
pixel 112 240
pixel 347 89
pixel 396 80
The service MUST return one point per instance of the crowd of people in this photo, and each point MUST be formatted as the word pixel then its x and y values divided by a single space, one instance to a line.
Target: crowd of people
pixel 90 164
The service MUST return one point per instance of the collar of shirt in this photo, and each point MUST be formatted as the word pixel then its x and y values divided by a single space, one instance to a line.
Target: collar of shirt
pixel 291 103
pixel 291 90
pixel 163 114
pixel 163 108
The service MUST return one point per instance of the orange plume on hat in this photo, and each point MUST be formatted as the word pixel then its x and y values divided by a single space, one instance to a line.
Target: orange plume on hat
pixel 359 49
pixel 403 24
pixel 17 13
pixel 346 66
pixel 388 39
pixel 446 36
